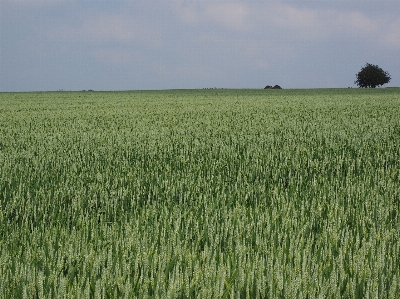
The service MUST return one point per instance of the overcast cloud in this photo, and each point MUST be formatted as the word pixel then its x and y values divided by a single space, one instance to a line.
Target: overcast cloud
pixel 146 44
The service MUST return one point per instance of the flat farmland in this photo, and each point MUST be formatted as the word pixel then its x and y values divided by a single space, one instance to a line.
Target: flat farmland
pixel 200 194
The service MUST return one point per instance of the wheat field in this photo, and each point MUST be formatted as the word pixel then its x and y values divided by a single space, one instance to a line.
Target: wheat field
pixel 200 194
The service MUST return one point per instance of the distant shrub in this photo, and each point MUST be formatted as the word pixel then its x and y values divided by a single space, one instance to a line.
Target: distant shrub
pixel 272 87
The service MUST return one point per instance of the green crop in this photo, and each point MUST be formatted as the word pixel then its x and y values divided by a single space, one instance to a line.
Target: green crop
pixel 200 194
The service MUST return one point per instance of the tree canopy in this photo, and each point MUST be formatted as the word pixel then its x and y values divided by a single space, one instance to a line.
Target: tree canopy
pixel 372 76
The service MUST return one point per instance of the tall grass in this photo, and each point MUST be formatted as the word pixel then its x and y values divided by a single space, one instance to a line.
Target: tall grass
pixel 200 194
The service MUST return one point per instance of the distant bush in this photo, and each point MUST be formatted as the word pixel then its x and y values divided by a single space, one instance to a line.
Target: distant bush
pixel 272 87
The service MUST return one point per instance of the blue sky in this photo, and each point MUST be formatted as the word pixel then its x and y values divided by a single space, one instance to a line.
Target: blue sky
pixel 146 44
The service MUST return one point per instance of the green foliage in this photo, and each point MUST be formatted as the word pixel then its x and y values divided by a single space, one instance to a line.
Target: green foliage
pixel 372 76
pixel 200 194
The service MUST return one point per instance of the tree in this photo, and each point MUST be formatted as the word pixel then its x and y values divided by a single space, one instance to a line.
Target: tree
pixel 372 76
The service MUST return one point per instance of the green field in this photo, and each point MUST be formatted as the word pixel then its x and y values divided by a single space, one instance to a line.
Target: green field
pixel 200 194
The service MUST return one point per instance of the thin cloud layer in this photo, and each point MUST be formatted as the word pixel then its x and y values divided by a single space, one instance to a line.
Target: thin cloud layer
pixel 391 36
pixel 60 44
pixel 232 15
pixel 33 3
pixel 108 28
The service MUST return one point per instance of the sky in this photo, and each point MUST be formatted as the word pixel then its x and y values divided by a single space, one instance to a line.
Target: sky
pixel 48 45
